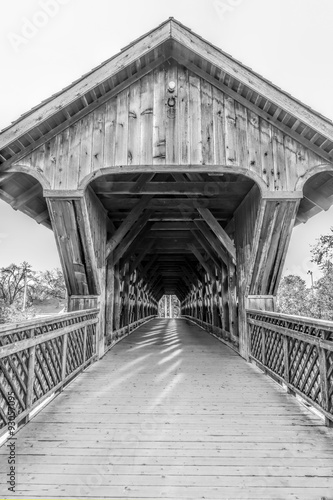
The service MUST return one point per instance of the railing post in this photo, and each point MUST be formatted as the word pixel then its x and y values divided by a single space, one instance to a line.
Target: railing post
pixel 85 344
pixel 64 356
pixel 263 347
pixel 286 363
pixel 286 359
pixel 31 376
pixel 324 389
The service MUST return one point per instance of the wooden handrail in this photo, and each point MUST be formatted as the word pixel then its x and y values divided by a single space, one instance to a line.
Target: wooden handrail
pixel 37 358
pixel 297 319
pixel 302 360
pixel 34 323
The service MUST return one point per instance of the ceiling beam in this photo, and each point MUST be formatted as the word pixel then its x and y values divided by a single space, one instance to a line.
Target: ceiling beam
pixel 26 196
pixel 130 237
pixel 205 245
pixel 202 261
pixel 126 225
pixel 167 188
pixel 213 241
pixel 219 232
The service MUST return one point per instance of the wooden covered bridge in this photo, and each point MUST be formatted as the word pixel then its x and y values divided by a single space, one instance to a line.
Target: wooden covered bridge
pixel 169 169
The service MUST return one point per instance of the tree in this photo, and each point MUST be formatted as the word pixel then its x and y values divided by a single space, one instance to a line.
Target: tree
pixel 48 284
pixel 292 297
pixel 322 252
pixel 322 255
pixel 13 280
pixel 21 287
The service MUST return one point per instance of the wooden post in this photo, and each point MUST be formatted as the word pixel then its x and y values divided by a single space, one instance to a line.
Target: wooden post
pixel 324 385
pixel 64 356
pixel 31 376
pixel 85 334
pixel 110 298
pixel 170 306
pixel 116 314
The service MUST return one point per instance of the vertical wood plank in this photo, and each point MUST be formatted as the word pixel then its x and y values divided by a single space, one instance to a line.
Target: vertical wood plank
pixel 146 119
pixel 122 129
pixel 183 116
pixel 172 114
pixel 253 142
pixel 110 132
pixel 267 164
pixel 195 120
pixel 278 160
pixel 207 135
pixel 242 134
pixel 86 146
pixel 159 124
pixel 134 129
pixel 98 138
pixel 230 132
pixel 219 127
pixel 74 159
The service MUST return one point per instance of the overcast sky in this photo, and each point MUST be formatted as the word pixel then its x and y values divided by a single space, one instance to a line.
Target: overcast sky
pixel 46 44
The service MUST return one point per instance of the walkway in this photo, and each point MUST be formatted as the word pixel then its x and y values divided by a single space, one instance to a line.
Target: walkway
pixel 172 413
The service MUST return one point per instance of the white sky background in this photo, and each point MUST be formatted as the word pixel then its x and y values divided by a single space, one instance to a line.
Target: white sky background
pixel 287 41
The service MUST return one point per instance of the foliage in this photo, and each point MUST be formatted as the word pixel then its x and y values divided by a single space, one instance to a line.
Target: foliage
pixel 322 251
pixel 292 297
pixel 48 284
pixel 15 280
pixel 175 306
pixel 12 280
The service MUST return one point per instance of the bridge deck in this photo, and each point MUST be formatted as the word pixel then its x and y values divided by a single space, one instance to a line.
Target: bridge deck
pixel 172 413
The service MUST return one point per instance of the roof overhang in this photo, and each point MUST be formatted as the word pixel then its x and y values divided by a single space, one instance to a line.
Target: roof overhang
pixel 169 40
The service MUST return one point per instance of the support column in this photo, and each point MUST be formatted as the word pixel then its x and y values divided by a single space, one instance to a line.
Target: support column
pixel 80 227
pixel 263 228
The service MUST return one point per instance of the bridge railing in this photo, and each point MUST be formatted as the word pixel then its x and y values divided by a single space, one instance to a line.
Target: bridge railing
pixel 37 358
pixel 298 352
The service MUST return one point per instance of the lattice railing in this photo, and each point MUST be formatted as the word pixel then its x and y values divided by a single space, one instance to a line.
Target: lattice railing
pixel 298 351
pixel 227 337
pixel 117 335
pixel 37 358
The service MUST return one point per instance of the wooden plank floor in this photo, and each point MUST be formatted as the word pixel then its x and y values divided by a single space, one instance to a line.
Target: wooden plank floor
pixel 170 412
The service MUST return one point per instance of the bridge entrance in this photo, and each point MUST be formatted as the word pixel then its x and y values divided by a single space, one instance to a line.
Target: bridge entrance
pixel 169 170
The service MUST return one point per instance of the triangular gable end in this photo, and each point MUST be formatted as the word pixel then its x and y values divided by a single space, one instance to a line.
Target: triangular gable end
pixel 197 125
pixel 169 40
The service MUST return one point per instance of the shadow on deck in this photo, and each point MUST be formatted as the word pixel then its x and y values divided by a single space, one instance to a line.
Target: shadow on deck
pixel 172 413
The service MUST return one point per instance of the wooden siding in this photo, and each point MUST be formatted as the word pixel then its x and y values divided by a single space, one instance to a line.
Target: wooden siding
pixel 205 127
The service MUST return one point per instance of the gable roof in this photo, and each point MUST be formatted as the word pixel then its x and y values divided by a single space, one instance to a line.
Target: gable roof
pixel 169 40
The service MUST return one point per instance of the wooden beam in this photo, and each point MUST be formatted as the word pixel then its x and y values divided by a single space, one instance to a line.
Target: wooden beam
pixel 139 185
pixel 127 224
pixel 141 256
pixel 130 237
pixel 167 188
pixel 200 258
pixel 317 198
pixel 205 245
pixel 213 241
pixel 134 246
pixel 218 231
pixel 27 196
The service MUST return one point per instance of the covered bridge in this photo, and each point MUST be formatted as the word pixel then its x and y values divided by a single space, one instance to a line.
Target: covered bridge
pixel 171 169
